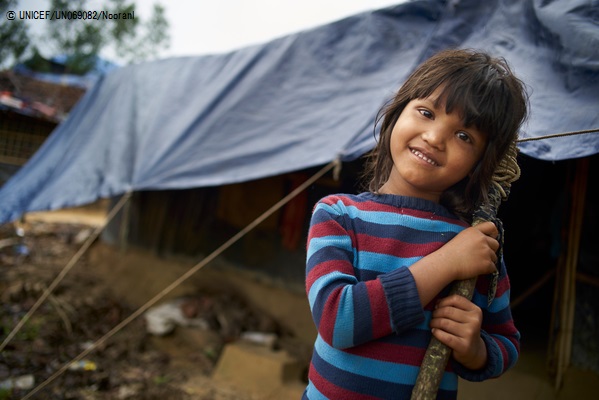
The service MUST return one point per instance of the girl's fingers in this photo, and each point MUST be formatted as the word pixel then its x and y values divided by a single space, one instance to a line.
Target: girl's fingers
pixel 457 301
pixel 447 325
pixel 458 309
pixel 450 314
pixel 456 322
pixel 493 244
pixel 450 340
pixel 488 228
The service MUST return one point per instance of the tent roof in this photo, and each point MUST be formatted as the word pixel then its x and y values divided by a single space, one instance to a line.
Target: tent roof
pixel 303 100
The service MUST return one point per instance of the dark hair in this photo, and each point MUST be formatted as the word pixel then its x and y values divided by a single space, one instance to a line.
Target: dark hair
pixel 487 95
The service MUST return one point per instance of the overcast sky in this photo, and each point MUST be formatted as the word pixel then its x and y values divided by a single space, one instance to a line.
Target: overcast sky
pixel 216 26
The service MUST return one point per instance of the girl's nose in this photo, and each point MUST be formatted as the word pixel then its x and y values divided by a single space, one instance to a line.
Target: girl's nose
pixel 435 137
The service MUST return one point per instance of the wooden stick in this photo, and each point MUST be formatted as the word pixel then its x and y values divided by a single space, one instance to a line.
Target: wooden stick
pixel 588 279
pixel 437 354
pixel 539 284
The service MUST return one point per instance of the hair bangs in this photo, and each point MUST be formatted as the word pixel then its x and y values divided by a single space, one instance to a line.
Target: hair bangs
pixel 479 103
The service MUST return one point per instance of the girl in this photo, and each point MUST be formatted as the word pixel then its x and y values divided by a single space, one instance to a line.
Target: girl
pixel 379 263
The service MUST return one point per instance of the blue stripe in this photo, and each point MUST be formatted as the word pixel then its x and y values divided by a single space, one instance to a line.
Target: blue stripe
pixel 426 324
pixel 325 280
pixel 410 338
pixel 344 323
pixel 318 243
pixel 396 219
pixel 498 318
pixel 404 234
pixel 382 263
pixel 365 275
pixel 314 394
pixel 363 317
pixel 319 302
pixel 512 353
pixel 376 369
pixel 387 218
pixel 498 304
pixel 328 209
pixel 326 255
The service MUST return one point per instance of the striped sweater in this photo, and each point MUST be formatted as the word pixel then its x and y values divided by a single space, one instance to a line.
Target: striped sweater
pixel 372 329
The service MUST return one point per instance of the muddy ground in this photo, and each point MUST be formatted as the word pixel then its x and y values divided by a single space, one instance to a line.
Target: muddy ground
pixel 88 303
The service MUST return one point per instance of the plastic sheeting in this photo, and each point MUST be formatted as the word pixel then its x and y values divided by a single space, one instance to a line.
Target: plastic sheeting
pixel 304 100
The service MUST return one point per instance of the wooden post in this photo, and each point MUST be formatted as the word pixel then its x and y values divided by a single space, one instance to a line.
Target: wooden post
pixel 124 226
pixel 565 296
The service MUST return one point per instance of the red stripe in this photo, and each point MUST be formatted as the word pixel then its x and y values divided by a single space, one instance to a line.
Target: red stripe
pixel 333 391
pixel 503 349
pixel 326 228
pixel 503 285
pixel 325 268
pixel 395 247
pixel 389 352
pixel 484 281
pixel 381 325
pixel 506 329
pixel 326 326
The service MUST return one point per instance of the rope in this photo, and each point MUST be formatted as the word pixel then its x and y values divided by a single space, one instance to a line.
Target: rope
pixel 186 275
pixel 66 269
pixel 557 135
pixel 507 171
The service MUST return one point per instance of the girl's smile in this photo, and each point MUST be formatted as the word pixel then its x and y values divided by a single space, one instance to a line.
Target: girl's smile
pixel 431 150
pixel 423 156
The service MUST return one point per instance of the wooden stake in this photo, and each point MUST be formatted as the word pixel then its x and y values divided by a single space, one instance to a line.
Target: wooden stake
pixel 568 289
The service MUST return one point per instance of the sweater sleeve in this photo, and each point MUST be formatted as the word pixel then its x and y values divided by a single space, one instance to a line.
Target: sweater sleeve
pixel 347 311
pixel 498 330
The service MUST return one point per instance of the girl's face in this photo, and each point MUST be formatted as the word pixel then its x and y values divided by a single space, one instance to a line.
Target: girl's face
pixel 431 150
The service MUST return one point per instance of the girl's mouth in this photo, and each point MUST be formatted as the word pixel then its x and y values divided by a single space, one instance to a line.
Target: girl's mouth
pixel 422 156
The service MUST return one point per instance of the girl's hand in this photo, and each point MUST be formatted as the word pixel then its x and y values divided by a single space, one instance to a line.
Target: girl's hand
pixel 456 322
pixel 473 251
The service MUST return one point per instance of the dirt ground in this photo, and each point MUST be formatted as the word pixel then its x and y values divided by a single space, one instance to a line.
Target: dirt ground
pixel 104 288
pixel 107 285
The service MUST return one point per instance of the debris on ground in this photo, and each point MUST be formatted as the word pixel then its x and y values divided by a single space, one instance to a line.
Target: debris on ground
pixel 153 357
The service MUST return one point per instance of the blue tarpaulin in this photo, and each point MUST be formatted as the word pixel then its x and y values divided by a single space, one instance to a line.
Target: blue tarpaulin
pixel 304 99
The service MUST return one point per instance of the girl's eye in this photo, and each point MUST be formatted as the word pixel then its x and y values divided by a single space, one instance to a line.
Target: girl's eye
pixel 425 113
pixel 463 136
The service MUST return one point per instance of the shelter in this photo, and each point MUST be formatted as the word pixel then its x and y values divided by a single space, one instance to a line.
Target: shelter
pixel 283 108
pixel 303 100
pixel 30 110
